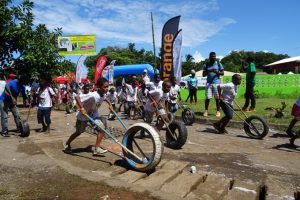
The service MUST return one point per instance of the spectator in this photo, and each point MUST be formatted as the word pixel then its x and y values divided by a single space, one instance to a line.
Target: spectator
pixel 296 114
pixel 11 77
pixel 250 83
pixel 45 94
pixel 34 87
pixel 227 97
pixel 9 96
pixel 146 78
pixel 213 70
pixel 88 104
pixel 192 85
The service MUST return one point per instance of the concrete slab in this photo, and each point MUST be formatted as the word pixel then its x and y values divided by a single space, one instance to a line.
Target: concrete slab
pixel 279 189
pixel 167 173
pixel 215 187
pixel 243 190
pixel 184 182
pixel 131 176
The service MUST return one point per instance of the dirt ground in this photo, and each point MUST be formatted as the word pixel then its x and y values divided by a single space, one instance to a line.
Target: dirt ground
pixel 36 167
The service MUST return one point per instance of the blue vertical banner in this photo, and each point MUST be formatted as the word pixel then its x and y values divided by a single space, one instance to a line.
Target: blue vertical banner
pixel 177 58
pixel 169 33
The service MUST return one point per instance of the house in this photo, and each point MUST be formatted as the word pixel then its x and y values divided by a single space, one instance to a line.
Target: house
pixel 285 66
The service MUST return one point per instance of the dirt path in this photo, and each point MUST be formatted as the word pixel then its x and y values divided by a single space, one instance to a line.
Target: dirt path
pixel 230 166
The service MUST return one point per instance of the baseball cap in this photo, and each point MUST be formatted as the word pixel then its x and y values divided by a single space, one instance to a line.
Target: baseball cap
pixel 193 71
pixel 12 76
pixel 145 70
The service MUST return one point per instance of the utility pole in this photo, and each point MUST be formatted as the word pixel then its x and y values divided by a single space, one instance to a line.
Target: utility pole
pixel 153 42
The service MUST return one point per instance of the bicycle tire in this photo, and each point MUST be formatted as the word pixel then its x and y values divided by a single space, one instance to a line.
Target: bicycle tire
pixel 170 116
pixel 151 144
pixel 181 135
pixel 253 133
pixel 25 130
pixel 188 116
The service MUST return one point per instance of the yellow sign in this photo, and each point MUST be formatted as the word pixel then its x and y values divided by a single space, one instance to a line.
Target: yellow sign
pixel 77 45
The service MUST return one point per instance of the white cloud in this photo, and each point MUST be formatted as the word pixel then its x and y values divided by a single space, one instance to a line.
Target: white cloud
pixel 124 21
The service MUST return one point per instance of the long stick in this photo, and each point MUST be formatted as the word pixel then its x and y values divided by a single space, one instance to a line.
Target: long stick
pixel 252 126
pixel 240 108
pixel 115 139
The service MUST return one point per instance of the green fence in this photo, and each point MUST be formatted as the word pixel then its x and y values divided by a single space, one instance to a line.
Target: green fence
pixel 282 86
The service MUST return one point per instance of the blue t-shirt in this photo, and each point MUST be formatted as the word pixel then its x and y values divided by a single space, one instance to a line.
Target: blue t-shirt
pixel 15 89
pixel 213 78
pixel 192 81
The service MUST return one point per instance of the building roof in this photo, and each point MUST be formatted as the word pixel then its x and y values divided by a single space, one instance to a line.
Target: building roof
pixel 286 60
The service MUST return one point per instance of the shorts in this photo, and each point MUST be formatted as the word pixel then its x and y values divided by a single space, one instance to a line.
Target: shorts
pixel 81 125
pixel 296 111
pixel 210 90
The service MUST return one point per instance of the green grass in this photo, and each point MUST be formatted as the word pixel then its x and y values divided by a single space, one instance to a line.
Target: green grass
pixel 261 105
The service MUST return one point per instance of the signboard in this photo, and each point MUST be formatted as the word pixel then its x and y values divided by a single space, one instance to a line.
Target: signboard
pixel 77 45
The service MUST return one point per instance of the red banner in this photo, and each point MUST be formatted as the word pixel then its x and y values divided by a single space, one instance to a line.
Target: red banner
pixel 101 62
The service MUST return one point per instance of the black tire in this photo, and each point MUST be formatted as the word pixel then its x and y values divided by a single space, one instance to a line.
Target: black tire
pixel 178 136
pixel 25 129
pixel 170 116
pixel 148 146
pixel 188 116
pixel 259 127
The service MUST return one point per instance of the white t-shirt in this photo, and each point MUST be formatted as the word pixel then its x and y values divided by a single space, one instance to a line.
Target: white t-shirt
pixel 91 102
pixel 131 93
pixel 229 92
pixel 156 95
pixel 2 87
pixel 146 79
pixel 112 97
pixel 174 93
pixel 45 98
pixel 153 85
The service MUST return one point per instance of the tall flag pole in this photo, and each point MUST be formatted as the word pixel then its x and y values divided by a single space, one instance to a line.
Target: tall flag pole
pixel 169 32
pixel 153 42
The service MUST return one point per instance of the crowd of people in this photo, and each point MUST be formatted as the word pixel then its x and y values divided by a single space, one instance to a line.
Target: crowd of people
pixel 138 96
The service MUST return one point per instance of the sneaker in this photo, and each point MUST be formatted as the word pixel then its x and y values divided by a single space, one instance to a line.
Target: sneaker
pixel 67 148
pixel 99 151
pixel 218 114
pixel 251 110
pixel 47 129
pixel 205 114
pixel 5 134
pixel 245 109
pixel 217 127
pixel 224 131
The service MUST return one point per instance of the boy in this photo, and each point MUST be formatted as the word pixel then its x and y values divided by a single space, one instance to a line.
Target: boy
pixel 112 97
pixel 89 104
pixel 174 92
pixel 154 104
pixel 227 97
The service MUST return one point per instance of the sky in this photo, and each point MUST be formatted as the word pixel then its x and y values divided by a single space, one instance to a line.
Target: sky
pixel 207 25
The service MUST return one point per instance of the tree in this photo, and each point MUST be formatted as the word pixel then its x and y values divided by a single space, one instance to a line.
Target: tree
pixel 33 48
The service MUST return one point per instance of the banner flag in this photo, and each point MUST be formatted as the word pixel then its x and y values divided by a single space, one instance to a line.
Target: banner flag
pixel 99 67
pixel 177 60
pixel 108 72
pixel 169 32
pixel 76 45
pixel 80 71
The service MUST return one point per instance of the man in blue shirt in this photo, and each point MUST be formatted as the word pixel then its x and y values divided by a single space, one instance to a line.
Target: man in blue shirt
pixel 9 96
pixel 213 70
